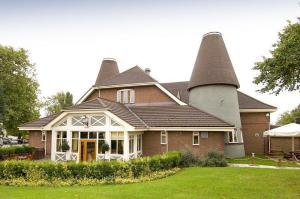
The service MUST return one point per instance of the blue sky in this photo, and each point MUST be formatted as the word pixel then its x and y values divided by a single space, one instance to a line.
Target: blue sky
pixel 67 40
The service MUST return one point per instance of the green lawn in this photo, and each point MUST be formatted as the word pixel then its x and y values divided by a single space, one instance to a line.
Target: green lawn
pixel 188 183
pixel 261 160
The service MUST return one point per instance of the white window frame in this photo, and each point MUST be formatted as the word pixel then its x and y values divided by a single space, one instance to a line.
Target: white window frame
pixel 163 134
pixel 100 139
pixel 131 144
pixel 60 139
pixel 196 133
pixel 126 96
pixel 43 136
pixel 234 136
pixel 139 143
pixel 120 137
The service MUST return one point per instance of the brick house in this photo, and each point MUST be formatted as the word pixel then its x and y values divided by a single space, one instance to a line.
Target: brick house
pixel 138 116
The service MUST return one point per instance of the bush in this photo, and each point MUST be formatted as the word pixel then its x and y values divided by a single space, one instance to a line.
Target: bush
pixel 15 150
pixel 188 159
pixel 51 171
pixel 214 159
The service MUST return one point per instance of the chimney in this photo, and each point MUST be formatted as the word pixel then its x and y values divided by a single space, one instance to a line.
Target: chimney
pixel 147 71
pixel 108 69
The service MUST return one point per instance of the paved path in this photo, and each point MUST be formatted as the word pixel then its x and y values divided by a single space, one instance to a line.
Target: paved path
pixel 261 166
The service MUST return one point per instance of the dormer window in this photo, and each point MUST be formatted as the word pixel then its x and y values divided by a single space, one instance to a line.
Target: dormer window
pixel 126 96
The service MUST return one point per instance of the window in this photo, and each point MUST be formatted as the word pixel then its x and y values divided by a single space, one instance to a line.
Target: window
pixel 117 142
pixel 98 120
pixel 204 134
pixel 139 142
pixel 88 135
pixel 64 123
pixel 232 137
pixel 43 136
pixel 131 144
pixel 75 140
pixel 114 123
pixel 196 138
pixel 163 137
pixel 76 121
pixel 101 141
pixel 126 96
pixel 60 139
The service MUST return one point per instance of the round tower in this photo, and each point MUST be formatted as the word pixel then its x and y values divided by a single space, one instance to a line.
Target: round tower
pixel 213 88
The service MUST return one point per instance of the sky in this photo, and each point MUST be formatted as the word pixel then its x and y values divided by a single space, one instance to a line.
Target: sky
pixel 67 40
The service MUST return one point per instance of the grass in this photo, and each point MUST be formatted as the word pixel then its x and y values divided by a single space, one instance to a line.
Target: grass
pixel 262 160
pixel 188 183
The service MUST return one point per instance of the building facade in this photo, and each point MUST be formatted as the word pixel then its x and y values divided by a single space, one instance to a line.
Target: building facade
pixel 130 114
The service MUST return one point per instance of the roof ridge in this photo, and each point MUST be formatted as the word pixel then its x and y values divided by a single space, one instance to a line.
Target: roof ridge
pixel 256 99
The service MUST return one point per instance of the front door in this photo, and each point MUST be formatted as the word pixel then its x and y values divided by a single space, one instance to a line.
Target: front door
pixel 87 150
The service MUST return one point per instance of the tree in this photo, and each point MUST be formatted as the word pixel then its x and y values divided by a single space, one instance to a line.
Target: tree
pixel 282 70
pixel 289 116
pixel 56 102
pixel 18 89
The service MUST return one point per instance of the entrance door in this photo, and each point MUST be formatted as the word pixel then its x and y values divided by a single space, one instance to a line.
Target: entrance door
pixel 87 150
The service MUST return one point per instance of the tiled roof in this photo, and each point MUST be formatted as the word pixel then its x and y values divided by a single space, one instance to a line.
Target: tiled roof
pixel 109 69
pixel 131 76
pixel 41 122
pixel 245 101
pixel 213 65
pixel 147 116
pixel 176 116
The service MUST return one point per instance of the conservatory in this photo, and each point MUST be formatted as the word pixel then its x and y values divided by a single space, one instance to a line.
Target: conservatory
pixel 93 136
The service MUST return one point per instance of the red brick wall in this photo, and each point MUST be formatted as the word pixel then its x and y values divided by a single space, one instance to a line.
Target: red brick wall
pixel 35 140
pixel 253 126
pixel 178 141
pixel 143 94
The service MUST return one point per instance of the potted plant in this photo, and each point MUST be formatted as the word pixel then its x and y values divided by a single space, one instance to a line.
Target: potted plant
pixel 105 147
pixel 65 146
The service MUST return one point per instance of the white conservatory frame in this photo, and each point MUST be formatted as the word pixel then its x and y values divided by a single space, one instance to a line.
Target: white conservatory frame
pixel 64 123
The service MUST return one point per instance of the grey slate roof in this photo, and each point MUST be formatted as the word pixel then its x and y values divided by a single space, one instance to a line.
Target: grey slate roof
pixel 41 122
pixel 109 69
pixel 213 65
pixel 245 101
pixel 131 76
pixel 147 116
pixel 177 116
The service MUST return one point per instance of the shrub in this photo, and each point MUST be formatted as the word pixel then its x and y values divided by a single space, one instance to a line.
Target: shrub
pixel 214 159
pixel 15 150
pixel 105 147
pixel 188 159
pixel 102 170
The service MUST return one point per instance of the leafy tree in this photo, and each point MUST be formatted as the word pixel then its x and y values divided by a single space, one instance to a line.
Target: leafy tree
pixel 18 89
pixel 282 70
pixel 56 102
pixel 289 116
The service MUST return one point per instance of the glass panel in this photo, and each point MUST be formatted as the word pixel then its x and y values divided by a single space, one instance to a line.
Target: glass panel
pixel 196 139
pixel 114 135
pixel 100 143
pixel 58 134
pixel 131 144
pixel 90 151
pixel 114 123
pixel 120 135
pixel 64 134
pixel 101 135
pixel 92 135
pixel 84 135
pixel 98 121
pixel 81 151
pixel 75 134
pixel 58 145
pixel 64 123
pixel 76 121
pixel 120 146
pixel 75 145
pixel 113 146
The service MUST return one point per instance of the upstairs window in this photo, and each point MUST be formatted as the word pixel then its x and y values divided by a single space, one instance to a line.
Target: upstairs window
pixel 126 96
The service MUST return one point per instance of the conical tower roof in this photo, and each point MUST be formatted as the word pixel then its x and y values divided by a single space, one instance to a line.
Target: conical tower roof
pixel 213 65
pixel 109 68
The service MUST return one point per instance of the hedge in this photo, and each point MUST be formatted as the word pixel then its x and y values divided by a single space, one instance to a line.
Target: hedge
pixel 15 150
pixel 49 171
